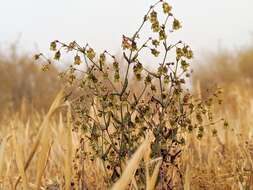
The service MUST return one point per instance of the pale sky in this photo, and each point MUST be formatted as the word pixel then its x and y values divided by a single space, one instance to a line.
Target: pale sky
pixel 207 24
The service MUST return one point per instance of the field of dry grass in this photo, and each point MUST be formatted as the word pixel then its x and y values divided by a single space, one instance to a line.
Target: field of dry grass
pixel 39 149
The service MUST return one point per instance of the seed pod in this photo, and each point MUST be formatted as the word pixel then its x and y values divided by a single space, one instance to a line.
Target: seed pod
pixel 57 55
pixel 77 60
pixel 53 46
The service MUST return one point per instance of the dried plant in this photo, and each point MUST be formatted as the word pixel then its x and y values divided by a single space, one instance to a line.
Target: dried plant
pixel 114 119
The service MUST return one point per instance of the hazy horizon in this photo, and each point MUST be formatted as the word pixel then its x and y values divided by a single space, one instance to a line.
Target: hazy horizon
pixel 207 25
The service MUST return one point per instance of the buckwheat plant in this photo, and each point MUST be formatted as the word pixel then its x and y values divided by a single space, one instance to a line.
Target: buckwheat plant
pixel 112 117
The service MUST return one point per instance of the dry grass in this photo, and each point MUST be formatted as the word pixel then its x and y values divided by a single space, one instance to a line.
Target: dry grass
pixel 23 83
pixel 132 165
pixel 37 151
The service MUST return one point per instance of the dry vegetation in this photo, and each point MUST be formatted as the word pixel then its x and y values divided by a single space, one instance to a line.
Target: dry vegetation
pixel 220 162
pixel 41 147
pixel 22 82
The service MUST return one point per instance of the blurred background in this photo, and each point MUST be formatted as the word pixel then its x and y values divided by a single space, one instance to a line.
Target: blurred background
pixel 207 25
pixel 219 32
